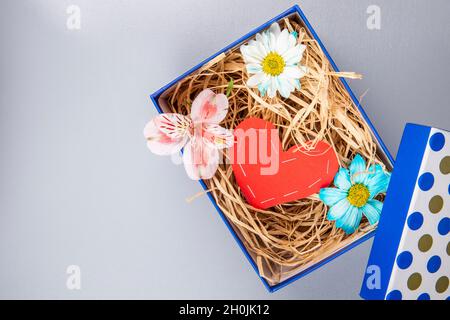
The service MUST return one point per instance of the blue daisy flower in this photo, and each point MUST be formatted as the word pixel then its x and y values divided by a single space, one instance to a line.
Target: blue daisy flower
pixel 354 195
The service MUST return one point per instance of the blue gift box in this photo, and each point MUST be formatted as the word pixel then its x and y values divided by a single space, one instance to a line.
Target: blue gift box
pixel 384 153
pixel 410 254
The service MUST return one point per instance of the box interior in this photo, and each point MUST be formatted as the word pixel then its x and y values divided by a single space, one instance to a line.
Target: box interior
pixel 162 102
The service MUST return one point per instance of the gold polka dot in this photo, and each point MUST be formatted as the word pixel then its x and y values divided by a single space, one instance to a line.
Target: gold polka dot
pixel 448 249
pixel 414 281
pixel 436 204
pixel 425 243
pixel 442 284
pixel 444 166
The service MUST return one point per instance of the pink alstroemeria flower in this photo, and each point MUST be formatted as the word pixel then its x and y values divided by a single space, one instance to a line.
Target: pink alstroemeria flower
pixel 199 135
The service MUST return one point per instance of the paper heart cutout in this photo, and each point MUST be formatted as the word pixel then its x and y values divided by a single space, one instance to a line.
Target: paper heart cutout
pixel 273 176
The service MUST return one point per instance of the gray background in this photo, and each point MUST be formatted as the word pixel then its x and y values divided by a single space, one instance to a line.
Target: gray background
pixel 78 185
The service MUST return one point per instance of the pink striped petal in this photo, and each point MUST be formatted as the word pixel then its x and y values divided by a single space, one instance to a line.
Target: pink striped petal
pixel 160 143
pixel 209 107
pixel 173 125
pixel 218 136
pixel 200 159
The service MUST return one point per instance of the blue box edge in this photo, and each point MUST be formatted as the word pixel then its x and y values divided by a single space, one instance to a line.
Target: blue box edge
pixel 395 209
pixel 154 98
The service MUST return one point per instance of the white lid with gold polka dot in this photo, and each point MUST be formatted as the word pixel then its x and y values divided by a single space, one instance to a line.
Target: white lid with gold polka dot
pixel 410 254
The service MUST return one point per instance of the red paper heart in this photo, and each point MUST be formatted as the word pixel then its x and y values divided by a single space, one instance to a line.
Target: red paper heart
pixel 300 172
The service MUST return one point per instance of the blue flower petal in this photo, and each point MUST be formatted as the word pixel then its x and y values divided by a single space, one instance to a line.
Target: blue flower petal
pixel 350 222
pixel 378 183
pixel 374 169
pixel 360 178
pixel 342 179
pixel 339 210
pixel 372 211
pixel 262 87
pixel 330 196
pixel 377 168
pixel 377 204
pixel 357 169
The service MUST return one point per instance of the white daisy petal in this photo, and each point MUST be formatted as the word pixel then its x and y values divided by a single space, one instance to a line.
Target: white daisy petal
pixel 272 42
pixel 272 89
pixel 259 37
pixel 255 80
pixel 263 42
pixel 284 87
pixel 245 55
pixel 304 70
pixel 302 48
pixel 283 42
pixel 264 49
pixel 264 85
pixel 275 29
pixel 292 72
pixel 293 55
pixel 295 83
pixel 248 54
pixel 292 41
pixel 253 68
pixel 257 52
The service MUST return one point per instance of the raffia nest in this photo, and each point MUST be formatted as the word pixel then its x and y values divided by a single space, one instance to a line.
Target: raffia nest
pixel 288 238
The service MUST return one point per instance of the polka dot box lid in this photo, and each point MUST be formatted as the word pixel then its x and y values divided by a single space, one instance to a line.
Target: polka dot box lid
pixel 410 254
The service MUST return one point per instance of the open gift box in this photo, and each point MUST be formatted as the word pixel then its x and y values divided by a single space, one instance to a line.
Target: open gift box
pixel 287 241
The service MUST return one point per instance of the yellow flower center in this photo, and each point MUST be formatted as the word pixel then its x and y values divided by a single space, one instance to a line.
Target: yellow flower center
pixel 358 195
pixel 273 64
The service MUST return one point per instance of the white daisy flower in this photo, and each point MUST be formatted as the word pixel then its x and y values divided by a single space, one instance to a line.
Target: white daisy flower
pixel 273 60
